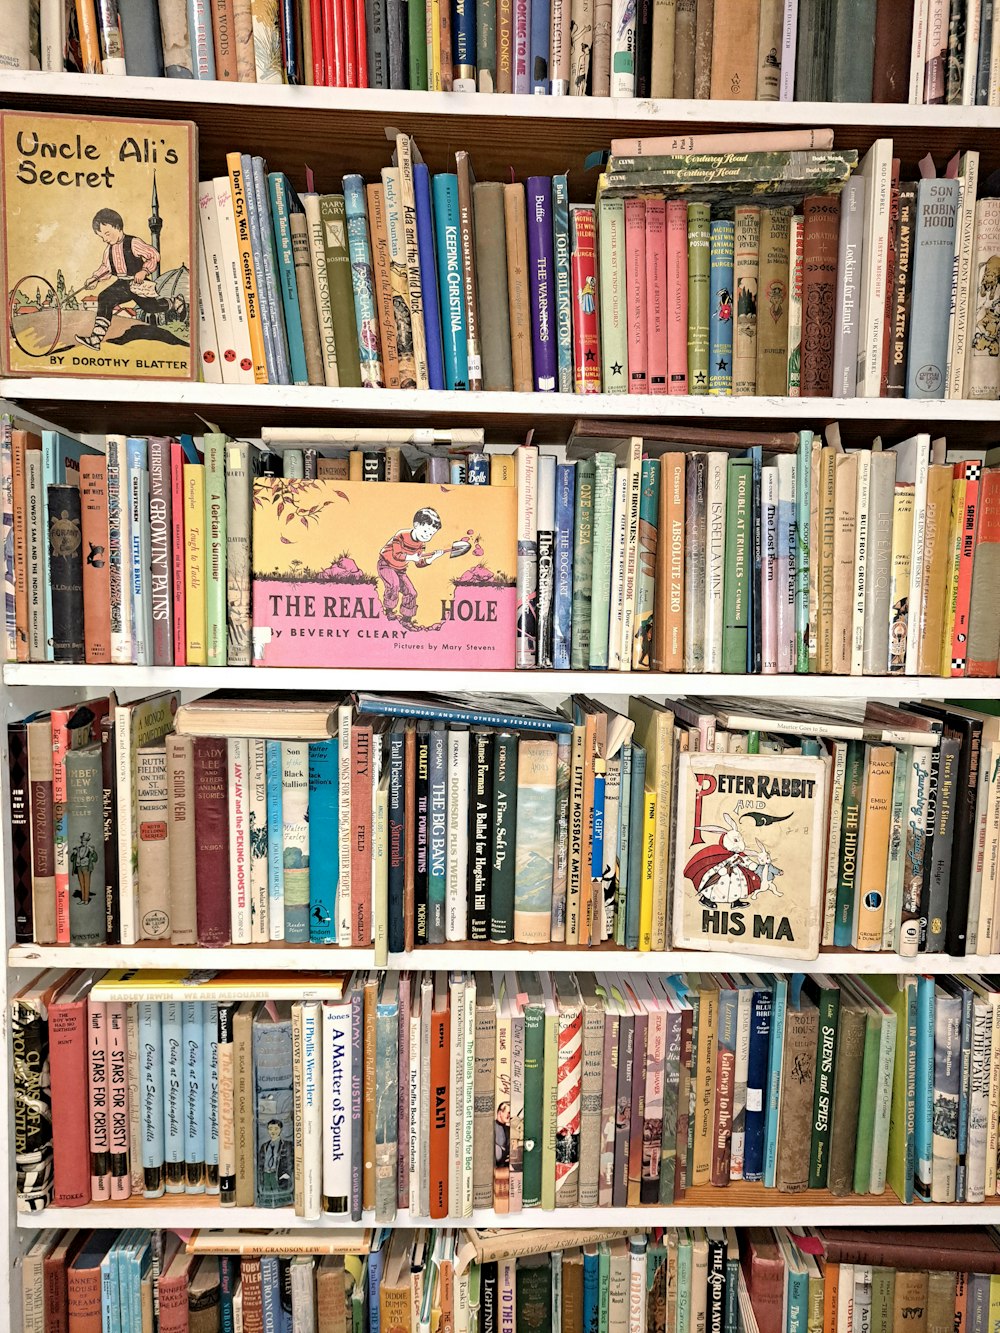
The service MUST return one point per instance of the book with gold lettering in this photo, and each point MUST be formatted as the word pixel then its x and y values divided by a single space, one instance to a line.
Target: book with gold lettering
pixel 97 245
pixel 349 574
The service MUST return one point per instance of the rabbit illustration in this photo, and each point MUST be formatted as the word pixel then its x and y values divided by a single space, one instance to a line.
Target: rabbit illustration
pixel 730 873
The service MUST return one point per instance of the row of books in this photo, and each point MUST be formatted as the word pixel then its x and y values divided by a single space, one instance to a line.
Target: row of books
pixel 656 552
pixel 444 1092
pixel 736 49
pixel 649 1280
pixel 428 820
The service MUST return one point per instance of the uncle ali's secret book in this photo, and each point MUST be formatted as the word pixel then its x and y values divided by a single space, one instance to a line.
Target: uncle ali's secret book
pixel 751 837
pixel 97 246
pixel 351 574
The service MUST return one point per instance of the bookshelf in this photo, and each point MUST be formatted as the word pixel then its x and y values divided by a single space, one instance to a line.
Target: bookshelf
pixel 339 128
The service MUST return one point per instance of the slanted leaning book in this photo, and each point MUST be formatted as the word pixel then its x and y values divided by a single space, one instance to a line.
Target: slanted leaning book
pixel 751 834
pixel 350 574
pixel 97 246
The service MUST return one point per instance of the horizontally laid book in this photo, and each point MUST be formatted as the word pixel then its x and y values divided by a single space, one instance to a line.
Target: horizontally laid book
pixel 97 246
pixel 349 574
pixel 750 846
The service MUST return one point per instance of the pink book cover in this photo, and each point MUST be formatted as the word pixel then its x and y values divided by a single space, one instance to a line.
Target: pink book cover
pixel 177 534
pixel 656 294
pixel 348 574
pixel 769 571
pixel 118 1133
pixel 97 1030
pixel 60 819
pixel 635 288
pixel 403 1119
pixel 522 38
pixel 971 470
pixel 677 289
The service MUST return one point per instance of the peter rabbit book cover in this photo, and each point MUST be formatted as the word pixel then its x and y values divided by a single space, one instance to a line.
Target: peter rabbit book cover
pixel 404 575
pixel 97 246
pixel 751 834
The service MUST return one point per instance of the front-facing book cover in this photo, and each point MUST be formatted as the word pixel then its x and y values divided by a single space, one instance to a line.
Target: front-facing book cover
pixel 97 245
pixel 751 838
pixel 400 574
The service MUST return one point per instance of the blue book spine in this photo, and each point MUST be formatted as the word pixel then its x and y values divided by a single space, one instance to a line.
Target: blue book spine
pixel 324 840
pixel 428 268
pixel 280 213
pixel 538 67
pixel 732 1295
pixel 597 836
pixel 363 281
pixel 457 471
pixel 635 847
pixel 754 1120
pixel 194 1096
pixel 437 839
pixel 228 1269
pixel 202 44
pixel 803 497
pixel 275 843
pixel 275 310
pixel 253 221
pixel 151 1096
pixel 930 298
pixel 110 1301
pixel 210 1055
pixel 124 1252
pixel 924 1095
pixel 624 825
pixel 979 1303
pixel 720 344
pixel 798 1301
pixel 540 269
pixel 562 603
pixel 270 1290
pixel 397 817
pixel 564 293
pixel 779 1002
pixel 438 711
pixel 463 42
pixel 591 1291
pixel 451 282
pixel 173 1095
pixel 375 1262
pixel 477 470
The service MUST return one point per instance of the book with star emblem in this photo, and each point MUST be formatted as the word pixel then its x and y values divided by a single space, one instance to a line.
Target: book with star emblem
pixel 614 349
pixel 751 839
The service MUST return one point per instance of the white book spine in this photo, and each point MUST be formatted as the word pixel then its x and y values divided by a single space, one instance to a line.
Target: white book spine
pixel 462 1304
pixel 993 1118
pixel 413 1124
pixel 616 608
pixel 457 865
pixel 918 50
pixel 344 824
pixel 303 1295
pixel 740 1074
pixel 770 585
pixel 119 560
pixel 917 553
pixel 789 33
pixel 218 292
pixel 310 204
pixel 225 248
pixel 209 356
pixel 52 32
pixel 257 840
pixel 845 1299
pixel 526 459
pixel 973 25
pixel 312 1109
pixel 988 903
pixel 37 539
pixel 979 1101
pixel 878 174
pixel 336 1107
pixel 963 292
pixel 631 552
pixel 715 560
pixel 787 523
pixel 456 1109
pixel 861 515
pixel 622 48
pixel 240 911
pixel 468 1099
pixel 637 1287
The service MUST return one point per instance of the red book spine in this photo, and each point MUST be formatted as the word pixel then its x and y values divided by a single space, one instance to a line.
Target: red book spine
pixel 362 34
pixel 677 286
pixel 362 779
pixel 173 1295
pixel 253 1297
pixel 97 1045
pixel 635 287
pixel 70 1081
pixel 971 471
pixel 725 1074
pixel 350 44
pixel 440 1048
pixel 318 47
pixel 56 1277
pixel 161 549
pixel 989 533
pixel 583 267
pixel 96 571
pixel 820 239
pixel 656 293
pixel 83 1300
pixel 177 551
pixel 211 839
pixel 890 268
pixel 332 53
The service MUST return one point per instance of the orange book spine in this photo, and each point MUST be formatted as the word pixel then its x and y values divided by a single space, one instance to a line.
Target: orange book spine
pixel 90 43
pixel 96 571
pixel 383 286
pixel 248 273
pixel 439 1147
pixel 224 36
pixel 18 449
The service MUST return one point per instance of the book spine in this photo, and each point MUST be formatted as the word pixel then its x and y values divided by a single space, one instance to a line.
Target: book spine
pixel 96 578
pixel 280 208
pixel 503 842
pixel 546 536
pixel 542 269
pixel 361 759
pixel 527 557
pixel 562 306
pixel 935 221
pixel 451 278
pixel 65 573
pixel 247 272
pixel 604 489
pixel 699 259
pixel 119 544
pixel 746 271
pixel 161 536
pixel 613 306
pixel 735 637
pixel 20 829
pixel 586 350
pixel 97 1058
pixel 721 258
pixel 563 572
pixel 210 762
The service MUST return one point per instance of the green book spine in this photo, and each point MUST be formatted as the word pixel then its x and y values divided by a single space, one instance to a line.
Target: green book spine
pixel 901 996
pixel 649 509
pixel 850 840
pixel 883 1291
pixel 215 524
pixel 503 842
pixel 614 323
pixel 85 845
pixel 743 176
pixel 600 578
pixel 603 1288
pixel 866 1105
pixel 532 1296
pixel 583 563
pixel 828 1003
pixel 739 564
pixel 550 1107
pixel 684 1283
pixel 341 284
pixel 699 264
pixel 534 1058
pixel 417 17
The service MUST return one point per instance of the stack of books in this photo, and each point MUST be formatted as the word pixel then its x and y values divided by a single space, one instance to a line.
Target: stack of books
pixel 441 1093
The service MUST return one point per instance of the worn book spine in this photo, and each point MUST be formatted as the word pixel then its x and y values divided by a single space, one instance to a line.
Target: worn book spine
pixel 982 366
pixel 363 283
pixel 96 581
pixel 703 39
pixel 821 227
pixel 181 839
pixel 65 573
pixel 677 298
pixel 795 1114
pixel 736 624
pixel 411 256
pixel 382 284
pixel 734 63
pixel 491 270
pixel 152 826
pixel 655 279
pixel 210 761
pixel 772 314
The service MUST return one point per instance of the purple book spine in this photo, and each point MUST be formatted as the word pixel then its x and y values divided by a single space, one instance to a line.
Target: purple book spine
pixel 161 550
pixel 357 1088
pixel 541 265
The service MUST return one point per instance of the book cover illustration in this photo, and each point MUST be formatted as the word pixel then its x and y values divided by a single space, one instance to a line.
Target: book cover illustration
pixel 750 841
pixel 349 574
pixel 98 217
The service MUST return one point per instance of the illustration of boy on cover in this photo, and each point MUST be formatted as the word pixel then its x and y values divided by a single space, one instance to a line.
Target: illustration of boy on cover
pixel 405 549
pixel 132 262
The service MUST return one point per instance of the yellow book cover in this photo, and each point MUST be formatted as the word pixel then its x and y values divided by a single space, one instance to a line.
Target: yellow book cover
pixel 958 489
pixel 708 1045
pixel 899 578
pixel 97 244
pixel 750 850
pixel 648 865
pixel 143 984
pixel 194 564
pixel 248 273
pixel 870 902
pixel 350 574
pixel 654 731
pixel 502 470
pixel 931 616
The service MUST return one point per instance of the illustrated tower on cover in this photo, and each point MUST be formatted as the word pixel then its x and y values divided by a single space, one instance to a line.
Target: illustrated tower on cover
pixel 155 224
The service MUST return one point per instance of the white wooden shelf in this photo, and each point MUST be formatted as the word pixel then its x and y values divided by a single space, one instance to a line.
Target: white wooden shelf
pixel 559 683
pixel 482 957
pixel 403 103
pixel 186 1213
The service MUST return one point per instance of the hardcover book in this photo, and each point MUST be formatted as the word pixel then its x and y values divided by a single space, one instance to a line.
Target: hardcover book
pixel 350 574
pixel 98 246
pixel 750 842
